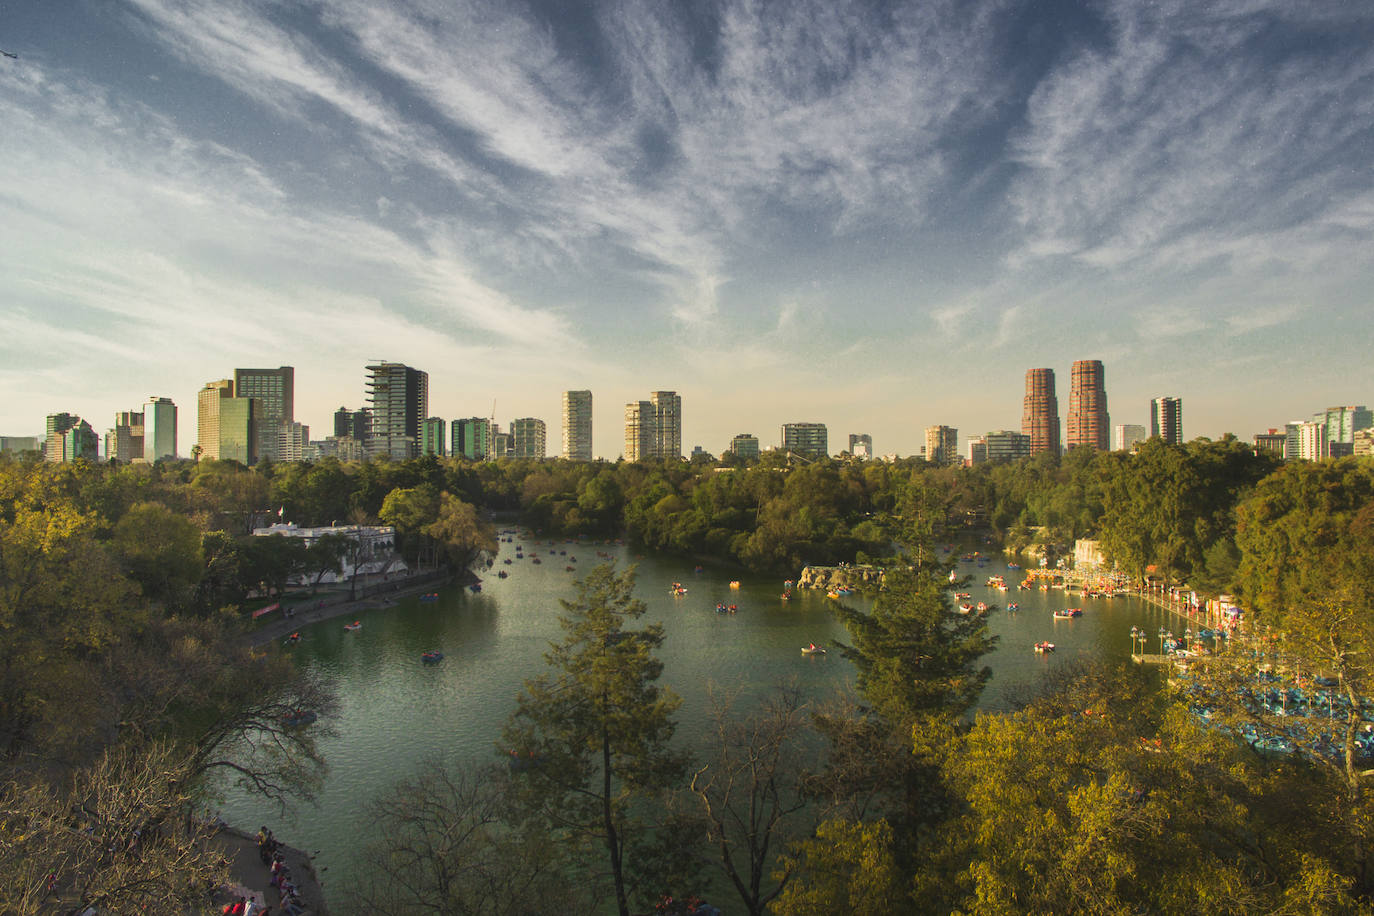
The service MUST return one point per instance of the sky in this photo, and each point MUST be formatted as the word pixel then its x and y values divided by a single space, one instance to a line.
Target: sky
pixel 876 216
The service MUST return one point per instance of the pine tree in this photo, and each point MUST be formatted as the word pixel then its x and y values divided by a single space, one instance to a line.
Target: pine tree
pixel 591 738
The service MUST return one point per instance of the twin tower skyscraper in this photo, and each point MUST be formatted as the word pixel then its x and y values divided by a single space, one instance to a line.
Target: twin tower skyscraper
pixel 1088 421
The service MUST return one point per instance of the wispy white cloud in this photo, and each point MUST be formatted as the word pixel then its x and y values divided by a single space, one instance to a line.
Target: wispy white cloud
pixel 1178 143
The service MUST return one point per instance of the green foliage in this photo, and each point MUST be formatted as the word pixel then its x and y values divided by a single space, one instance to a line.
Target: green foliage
pixel 1103 798
pixel 598 730
pixel 1167 505
pixel 161 551
pixel 846 868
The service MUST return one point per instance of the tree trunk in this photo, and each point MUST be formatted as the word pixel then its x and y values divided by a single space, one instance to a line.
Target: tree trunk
pixel 612 838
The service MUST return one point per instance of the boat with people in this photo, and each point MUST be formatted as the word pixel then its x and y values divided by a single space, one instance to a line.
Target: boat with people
pixel 813 649
pixel 432 596
pixel 298 717
pixel 1044 647
pixel 355 625
pixel 1013 606
pixel 432 658
pixel 1068 613
pixel 293 638
pixel 734 583
pixel 965 609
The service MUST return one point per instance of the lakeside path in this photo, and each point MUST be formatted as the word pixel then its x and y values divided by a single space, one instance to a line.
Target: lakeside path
pixel 239 848
pixel 329 606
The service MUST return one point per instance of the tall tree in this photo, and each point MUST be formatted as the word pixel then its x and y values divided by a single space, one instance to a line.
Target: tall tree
pixel 593 735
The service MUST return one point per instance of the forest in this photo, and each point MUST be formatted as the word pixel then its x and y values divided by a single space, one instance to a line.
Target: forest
pixel 129 689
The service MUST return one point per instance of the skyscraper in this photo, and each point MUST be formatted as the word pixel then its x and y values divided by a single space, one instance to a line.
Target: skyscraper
pixel 226 426
pixel 125 442
pixel 653 428
pixel 1343 422
pixel 861 445
pixel 471 438
pixel 942 444
pixel 577 425
pixel 528 438
pixel 1166 419
pixel 69 438
pixel 275 391
pixel 399 396
pixel 639 430
pixel 806 439
pixel 667 423
pixel 58 424
pixel 432 436
pixel 159 429
pixel 1040 412
pixel 1088 422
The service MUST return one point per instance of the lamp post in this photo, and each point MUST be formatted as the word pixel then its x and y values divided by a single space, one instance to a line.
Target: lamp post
pixel 1161 640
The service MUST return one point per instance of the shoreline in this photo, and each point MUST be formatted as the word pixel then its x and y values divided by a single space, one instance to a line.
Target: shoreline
pixel 280 628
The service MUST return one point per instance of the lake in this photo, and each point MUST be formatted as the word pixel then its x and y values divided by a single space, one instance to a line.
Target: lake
pixel 395 711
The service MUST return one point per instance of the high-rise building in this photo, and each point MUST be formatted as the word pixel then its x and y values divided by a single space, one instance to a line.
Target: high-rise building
pixel 667 424
pixel 275 390
pixel 432 440
pixel 159 429
pixel 1087 420
pixel 745 445
pixel 356 424
pixel 471 438
pixel 1166 419
pixel 69 438
pixel 125 442
pixel 978 450
pixel 528 438
pixel 1128 436
pixel 1272 442
pixel 806 439
pixel 861 445
pixel 226 426
pixel 399 397
pixel 1312 441
pixel 295 443
pixel 942 444
pixel 653 428
pixel 1363 444
pixel 639 430
pixel 1342 423
pixel 577 425
pixel 501 443
pixel 1040 412
pixel 1007 445
pixel 58 423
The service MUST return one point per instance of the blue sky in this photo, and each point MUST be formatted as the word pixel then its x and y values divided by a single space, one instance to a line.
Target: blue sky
pixel 871 215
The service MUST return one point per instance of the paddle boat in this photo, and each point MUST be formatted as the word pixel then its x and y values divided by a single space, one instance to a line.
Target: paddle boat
pixel 1068 613
pixel 965 609
pixel 1013 606
pixel 355 625
pixel 298 717
pixel 1044 647
pixel 734 583
pixel 502 574
pixel 813 649
pixel 432 596
pixel 293 638
pixel 432 658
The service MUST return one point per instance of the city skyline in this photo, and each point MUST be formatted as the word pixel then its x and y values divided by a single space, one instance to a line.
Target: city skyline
pixel 874 216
